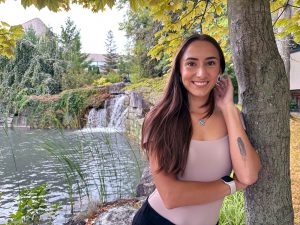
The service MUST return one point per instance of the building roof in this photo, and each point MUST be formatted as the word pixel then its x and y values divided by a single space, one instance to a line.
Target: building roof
pixel 37 25
pixel 96 57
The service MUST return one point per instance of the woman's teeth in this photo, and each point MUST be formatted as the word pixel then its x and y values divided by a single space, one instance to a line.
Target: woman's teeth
pixel 200 83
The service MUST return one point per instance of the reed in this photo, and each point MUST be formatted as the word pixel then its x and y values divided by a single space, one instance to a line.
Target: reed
pixel 104 162
pixel 12 150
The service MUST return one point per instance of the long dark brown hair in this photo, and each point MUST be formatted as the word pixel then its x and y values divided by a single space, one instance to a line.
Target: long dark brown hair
pixel 167 128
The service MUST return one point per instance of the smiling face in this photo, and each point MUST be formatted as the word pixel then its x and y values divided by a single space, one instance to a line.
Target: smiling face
pixel 199 69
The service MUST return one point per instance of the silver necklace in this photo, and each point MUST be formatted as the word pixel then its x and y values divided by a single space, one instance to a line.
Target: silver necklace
pixel 202 122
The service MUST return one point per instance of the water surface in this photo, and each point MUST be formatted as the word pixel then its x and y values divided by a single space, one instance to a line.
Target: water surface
pixel 108 164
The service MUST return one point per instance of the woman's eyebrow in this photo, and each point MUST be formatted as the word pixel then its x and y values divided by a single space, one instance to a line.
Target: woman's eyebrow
pixel 196 59
pixel 211 57
pixel 191 58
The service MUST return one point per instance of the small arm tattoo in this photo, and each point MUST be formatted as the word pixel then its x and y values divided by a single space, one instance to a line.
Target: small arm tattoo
pixel 241 147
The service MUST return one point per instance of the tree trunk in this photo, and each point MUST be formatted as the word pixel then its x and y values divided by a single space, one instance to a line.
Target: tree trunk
pixel 265 91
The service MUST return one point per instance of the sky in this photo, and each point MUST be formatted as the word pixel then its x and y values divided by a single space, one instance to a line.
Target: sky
pixel 93 27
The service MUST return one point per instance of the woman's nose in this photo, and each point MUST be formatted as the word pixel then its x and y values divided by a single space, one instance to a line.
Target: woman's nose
pixel 201 71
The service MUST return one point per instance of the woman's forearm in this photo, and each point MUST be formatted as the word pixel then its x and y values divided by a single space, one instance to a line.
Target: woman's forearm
pixel 245 160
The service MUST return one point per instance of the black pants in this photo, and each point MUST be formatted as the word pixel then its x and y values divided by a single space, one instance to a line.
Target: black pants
pixel 146 215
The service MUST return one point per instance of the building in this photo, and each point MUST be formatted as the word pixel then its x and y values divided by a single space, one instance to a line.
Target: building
pixel 295 77
pixel 97 60
pixel 37 25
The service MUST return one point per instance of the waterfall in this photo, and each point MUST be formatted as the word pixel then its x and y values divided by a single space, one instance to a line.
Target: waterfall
pixel 97 118
pixel 117 113
pixel 111 118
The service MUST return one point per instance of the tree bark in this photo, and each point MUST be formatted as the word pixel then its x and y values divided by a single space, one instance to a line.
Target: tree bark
pixel 265 91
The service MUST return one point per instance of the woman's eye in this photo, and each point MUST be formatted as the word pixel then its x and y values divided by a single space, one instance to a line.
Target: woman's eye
pixel 211 63
pixel 190 64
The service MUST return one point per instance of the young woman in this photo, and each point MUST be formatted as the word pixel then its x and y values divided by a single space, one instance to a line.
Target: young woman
pixel 194 137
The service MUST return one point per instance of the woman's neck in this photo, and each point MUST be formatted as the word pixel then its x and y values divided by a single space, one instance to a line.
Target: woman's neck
pixel 196 104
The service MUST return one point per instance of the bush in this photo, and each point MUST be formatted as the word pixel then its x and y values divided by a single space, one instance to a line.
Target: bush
pixel 78 80
pixel 32 205
pixel 66 110
pixel 113 77
pixel 293 105
pixel 135 78
pixel 102 81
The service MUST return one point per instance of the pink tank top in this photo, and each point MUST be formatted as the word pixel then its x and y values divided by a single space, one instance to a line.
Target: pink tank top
pixel 207 161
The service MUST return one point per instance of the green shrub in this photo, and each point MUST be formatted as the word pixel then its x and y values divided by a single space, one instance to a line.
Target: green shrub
pixel 32 205
pixel 114 77
pixel 102 81
pixel 135 78
pixel 156 84
pixel 293 104
pixel 66 110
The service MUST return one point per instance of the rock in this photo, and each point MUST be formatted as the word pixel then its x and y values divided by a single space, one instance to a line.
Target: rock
pixel 116 88
pixel 75 222
pixel 138 105
pixel 120 212
pixel 121 215
pixel 135 100
pixel 146 185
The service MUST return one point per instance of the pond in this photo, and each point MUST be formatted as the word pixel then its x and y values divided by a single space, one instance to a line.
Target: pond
pixel 97 164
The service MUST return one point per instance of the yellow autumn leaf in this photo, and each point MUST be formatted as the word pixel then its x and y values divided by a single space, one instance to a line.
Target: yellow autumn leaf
pixel 293 28
pixel 282 22
pixel 177 6
pixel 219 10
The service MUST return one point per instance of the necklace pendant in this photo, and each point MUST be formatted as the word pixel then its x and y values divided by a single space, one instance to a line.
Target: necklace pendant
pixel 202 122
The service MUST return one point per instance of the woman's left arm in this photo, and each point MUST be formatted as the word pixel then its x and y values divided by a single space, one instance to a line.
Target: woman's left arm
pixel 245 160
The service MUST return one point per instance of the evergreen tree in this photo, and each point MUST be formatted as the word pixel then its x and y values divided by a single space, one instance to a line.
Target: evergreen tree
pixel 35 71
pixel 31 36
pixel 111 57
pixel 71 47
pixel 76 61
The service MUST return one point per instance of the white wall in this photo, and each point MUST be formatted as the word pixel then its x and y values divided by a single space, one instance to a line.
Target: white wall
pixel 295 71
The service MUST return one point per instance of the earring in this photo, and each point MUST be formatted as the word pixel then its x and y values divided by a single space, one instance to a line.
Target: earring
pixel 219 79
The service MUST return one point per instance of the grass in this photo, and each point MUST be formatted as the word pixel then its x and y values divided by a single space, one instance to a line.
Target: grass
pixel 232 211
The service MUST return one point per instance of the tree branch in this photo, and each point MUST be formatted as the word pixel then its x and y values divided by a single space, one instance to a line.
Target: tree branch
pixel 203 14
pixel 294 6
pixel 285 6
pixel 194 7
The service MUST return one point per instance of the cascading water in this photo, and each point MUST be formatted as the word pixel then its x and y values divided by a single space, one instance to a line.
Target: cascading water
pixel 111 118
pixel 119 111
pixel 97 118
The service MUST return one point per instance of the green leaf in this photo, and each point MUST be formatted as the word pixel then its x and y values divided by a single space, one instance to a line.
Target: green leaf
pixel 4 24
